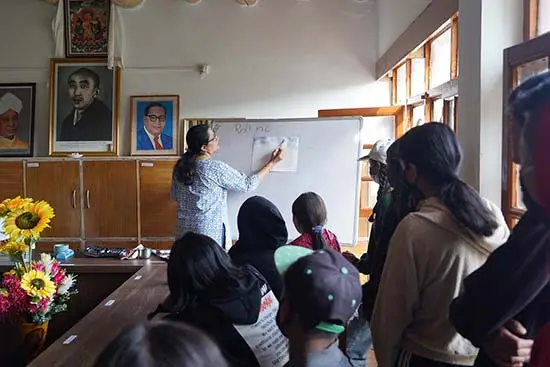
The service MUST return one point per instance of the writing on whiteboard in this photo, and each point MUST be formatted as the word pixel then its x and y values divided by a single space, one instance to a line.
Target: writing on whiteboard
pixel 245 128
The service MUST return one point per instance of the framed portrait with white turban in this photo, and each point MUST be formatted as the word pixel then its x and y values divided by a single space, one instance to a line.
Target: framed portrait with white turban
pixel 84 106
pixel 17 119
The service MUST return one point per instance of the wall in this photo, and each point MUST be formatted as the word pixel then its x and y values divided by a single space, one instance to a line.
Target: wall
pixel 397 15
pixel 281 58
pixel 492 26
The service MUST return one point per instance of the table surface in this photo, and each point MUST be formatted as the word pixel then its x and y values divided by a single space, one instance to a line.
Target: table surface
pixel 133 301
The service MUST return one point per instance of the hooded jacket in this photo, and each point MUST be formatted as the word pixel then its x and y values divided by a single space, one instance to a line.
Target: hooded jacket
pixel 262 230
pixel 512 284
pixel 429 255
pixel 242 322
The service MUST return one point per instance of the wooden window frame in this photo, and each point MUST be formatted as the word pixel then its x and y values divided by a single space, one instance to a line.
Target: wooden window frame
pixel 530 19
pixel 515 56
pixel 446 90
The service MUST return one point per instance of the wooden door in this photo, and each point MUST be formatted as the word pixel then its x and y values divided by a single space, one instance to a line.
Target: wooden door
pixel 58 183
pixel 11 179
pixel 110 199
pixel 157 210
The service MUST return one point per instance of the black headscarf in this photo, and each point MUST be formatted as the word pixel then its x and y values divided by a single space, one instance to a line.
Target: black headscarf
pixel 261 226
pixel 262 230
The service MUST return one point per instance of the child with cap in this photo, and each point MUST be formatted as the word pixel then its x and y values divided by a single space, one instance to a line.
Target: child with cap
pixel 321 294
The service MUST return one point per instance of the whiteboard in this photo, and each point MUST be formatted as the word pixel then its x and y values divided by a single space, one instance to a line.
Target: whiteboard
pixel 327 164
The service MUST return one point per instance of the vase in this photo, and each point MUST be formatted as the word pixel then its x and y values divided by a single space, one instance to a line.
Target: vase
pixel 33 338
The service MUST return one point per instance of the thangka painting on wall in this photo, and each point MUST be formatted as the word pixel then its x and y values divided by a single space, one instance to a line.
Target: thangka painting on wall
pixel 86 28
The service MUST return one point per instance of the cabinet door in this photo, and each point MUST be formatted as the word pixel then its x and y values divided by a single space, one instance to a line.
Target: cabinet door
pixel 11 179
pixel 58 184
pixel 157 210
pixel 110 199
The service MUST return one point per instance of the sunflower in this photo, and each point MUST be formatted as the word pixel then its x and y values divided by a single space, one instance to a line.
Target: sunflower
pixel 37 284
pixel 14 247
pixel 29 221
pixel 9 205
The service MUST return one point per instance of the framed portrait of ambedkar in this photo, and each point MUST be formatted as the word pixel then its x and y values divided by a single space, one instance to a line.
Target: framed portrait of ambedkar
pixel 17 102
pixel 154 122
pixel 84 107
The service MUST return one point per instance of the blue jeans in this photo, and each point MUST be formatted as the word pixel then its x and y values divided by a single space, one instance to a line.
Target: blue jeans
pixel 359 340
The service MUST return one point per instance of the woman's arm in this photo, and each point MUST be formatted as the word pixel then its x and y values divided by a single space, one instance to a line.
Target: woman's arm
pixel 508 281
pixel 232 179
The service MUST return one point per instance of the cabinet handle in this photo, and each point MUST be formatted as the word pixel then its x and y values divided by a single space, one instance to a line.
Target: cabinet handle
pixel 88 199
pixel 74 199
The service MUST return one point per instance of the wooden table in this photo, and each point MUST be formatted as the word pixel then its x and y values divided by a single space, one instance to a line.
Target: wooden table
pixel 145 286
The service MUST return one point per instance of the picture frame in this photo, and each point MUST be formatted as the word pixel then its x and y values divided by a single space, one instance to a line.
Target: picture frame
pixel 154 122
pixel 86 27
pixel 17 114
pixel 84 107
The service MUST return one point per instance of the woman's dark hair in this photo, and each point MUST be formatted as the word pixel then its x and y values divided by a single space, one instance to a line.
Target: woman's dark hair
pixel 526 101
pixel 196 138
pixel 403 200
pixel 199 266
pixel 435 152
pixel 310 212
pixel 161 344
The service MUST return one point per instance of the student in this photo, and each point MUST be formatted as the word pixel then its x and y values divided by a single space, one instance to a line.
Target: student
pixel 321 293
pixel 232 304
pixel 161 344
pixel 262 230
pixel 431 252
pixel 506 302
pixel 359 340
pixel 310 216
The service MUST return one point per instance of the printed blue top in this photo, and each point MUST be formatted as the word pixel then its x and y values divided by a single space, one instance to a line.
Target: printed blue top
pixel 202 206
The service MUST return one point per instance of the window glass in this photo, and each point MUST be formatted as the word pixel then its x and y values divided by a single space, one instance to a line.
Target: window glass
pixel 438 110
pixel 517 201
pixel 418 73
pixel 401 84
pixel 440 59
pixel 418 115
pixel 544 16
pixel 530 69
pixel 451 112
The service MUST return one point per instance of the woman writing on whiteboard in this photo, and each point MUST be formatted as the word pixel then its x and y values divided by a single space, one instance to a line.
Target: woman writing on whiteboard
pixel 200 185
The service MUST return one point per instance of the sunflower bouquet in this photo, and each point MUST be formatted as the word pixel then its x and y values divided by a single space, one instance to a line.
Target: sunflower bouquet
pixel 22 220
pixel 36 292
pixel 32 290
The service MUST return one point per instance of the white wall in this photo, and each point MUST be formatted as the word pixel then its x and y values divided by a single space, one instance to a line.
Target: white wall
pixel 281 58
pixel 492 26
pixel 395 17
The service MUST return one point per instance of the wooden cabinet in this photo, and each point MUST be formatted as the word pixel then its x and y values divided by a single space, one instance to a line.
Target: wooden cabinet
pixel 157 210
pixel 115 202
pixel 58 183
pixel 11 179
pixel 110 198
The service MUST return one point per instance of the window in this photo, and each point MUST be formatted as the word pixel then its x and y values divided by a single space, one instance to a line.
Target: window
pixel 543 25
pixel 521 62
pixel 418 76
pixel 451 111
pixel 438 107
pixel 427 81
pixel 440 59
pixel 419 115
pixel 401 84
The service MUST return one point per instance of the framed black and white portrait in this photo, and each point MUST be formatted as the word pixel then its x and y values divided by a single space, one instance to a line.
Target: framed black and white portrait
pixel 17 102
pixel 84 106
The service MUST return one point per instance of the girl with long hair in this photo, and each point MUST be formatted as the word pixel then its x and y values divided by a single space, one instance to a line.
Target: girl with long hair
pixel 432 250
